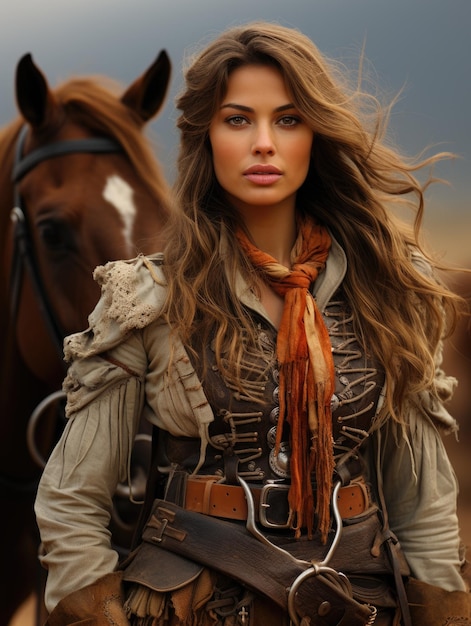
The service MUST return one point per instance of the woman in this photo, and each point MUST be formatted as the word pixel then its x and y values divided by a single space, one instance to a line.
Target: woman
pixel 286 348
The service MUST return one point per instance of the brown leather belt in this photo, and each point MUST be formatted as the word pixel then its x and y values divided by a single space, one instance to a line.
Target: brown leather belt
pixel 205 495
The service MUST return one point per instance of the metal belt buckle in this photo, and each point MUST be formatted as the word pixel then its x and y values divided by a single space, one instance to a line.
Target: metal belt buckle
pixel 273 505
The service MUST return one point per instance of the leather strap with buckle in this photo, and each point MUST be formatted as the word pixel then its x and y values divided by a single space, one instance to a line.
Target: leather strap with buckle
pixel 205 495
pixel 301 587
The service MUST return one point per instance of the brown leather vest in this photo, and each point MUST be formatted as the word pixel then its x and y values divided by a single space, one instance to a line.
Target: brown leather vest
pixel 248 426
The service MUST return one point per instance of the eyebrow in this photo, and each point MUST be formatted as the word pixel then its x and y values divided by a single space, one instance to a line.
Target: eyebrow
pixel 242 107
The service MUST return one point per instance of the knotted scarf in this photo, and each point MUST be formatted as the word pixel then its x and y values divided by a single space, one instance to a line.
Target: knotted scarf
pixel 306 372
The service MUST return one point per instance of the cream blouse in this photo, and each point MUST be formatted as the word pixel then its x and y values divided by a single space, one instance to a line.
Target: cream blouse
pixel 106 398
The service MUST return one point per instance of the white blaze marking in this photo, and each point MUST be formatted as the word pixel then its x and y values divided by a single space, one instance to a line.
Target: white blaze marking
pixel 118 193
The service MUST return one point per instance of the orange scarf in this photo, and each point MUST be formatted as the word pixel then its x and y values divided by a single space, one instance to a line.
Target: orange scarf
pixel 306 372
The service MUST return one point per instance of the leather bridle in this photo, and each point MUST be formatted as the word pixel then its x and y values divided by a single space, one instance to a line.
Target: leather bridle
pixel 23 256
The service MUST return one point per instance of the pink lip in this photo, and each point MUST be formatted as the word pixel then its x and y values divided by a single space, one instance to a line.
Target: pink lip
pixel 262 169
pixel 262 174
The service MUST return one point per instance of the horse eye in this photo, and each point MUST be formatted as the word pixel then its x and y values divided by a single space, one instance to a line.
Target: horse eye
pixel 54 235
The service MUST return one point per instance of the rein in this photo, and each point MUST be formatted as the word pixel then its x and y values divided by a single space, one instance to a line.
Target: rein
pixel 23 248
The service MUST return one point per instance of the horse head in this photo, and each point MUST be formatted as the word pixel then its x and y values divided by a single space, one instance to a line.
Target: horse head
pixel 79 186
pixel 83 207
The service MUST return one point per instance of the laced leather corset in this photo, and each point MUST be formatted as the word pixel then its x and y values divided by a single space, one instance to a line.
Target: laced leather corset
pixel 249 427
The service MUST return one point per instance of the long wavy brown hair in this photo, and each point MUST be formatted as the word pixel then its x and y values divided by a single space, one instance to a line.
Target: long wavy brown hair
pixel 355 182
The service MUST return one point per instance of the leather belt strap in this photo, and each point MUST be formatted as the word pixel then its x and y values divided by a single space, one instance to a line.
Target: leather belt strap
pixel 205 495
pixel 230 549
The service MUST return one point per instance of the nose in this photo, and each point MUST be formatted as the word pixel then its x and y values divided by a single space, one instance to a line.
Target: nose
pixel 263 141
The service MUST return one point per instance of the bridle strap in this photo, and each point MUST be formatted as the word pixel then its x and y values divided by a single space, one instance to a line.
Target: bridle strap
pixel 59 148
pixel 23 258
pixel 23 249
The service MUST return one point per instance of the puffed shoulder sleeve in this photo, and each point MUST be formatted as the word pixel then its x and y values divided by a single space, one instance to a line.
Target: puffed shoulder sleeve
pixel 132 296
pixel 434 404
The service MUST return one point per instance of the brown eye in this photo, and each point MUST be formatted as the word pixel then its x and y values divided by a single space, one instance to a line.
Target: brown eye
pixel 236 120
pixel 289 120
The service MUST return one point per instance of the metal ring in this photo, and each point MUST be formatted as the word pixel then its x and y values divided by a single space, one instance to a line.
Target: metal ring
pixel 134 491
pixel 33 422
pixel 314 570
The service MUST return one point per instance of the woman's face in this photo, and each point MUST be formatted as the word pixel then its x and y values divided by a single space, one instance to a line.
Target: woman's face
pixel 261 145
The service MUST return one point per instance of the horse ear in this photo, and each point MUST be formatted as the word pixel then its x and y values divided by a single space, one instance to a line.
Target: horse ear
pixel 147 93
pixel 33 96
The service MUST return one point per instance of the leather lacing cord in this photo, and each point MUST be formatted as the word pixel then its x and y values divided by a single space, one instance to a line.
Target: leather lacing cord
pixel 344 344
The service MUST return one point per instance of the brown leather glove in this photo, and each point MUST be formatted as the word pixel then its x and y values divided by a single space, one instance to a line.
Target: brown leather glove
pixel 433 606
pixel 98 604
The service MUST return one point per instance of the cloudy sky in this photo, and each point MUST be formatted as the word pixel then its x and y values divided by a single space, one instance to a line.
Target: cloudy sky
pixel 420 46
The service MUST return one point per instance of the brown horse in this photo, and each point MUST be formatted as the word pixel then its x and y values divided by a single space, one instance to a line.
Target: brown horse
pixel 86 188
